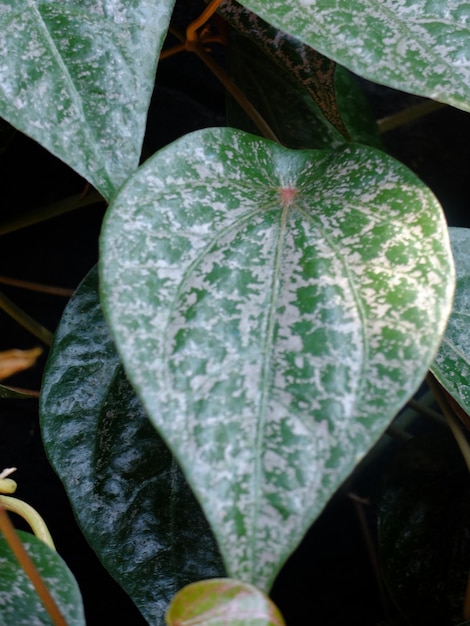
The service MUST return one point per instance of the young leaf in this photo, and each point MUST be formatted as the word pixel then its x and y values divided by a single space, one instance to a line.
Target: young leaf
pixel 19 603
pixel 222 602
pixel 129 496
pixel 274 309
pixel 452 364
pixel 416 46
pixel 78 76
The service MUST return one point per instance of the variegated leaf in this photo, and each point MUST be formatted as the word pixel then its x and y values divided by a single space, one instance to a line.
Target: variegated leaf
pixel 416 46
pixel 273 309
pixel 77 76
pixel 452 364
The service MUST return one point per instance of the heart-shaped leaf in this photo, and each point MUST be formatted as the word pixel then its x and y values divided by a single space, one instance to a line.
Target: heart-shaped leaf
pixel 19 603
pixel 452 364
pixel 274 309
pixel 129 496
pixel 417 46
pixel 222 602
pixel 78 76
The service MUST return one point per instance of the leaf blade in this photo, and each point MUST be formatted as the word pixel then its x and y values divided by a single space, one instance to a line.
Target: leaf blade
pixel 412 46
pixel 129 497
pixel 246 286
pixel 78 79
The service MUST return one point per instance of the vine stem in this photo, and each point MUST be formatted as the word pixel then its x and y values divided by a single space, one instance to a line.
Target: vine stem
pixel 197 48
pixel 28 566
pixel 410 114
pixel 38 287
pixel 49 211
pixel 25 320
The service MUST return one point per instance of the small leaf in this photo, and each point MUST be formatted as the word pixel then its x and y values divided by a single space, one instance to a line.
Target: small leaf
pixel 274 309
pixel 129 496
pixel 452 364
pixel 222 602
pixel 416 46
pixel 78 76
pixel 19 603
pixel 14 361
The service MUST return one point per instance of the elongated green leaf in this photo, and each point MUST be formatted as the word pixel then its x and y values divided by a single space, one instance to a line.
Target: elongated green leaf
pixel 19 603
pixel 222 602
pixel 77 76
pixel 129 496
pixel 273 309
pixel 452 364
pixel 417 46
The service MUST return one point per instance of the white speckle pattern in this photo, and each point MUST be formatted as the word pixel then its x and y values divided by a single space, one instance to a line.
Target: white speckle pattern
pixel 418 46
pixel 77 76
pixel 272 344
pixel 452 364
pixel 19 603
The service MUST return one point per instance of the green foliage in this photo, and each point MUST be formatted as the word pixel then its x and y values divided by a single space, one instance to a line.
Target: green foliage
pixel 273 308
pixel 260 330
pixel 212 602
pixel 452 364
pixel 19 604
pixel 129 495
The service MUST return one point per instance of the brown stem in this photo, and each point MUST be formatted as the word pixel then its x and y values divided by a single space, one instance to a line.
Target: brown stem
pixel 25 320
pixel 28 566
pixel 229 85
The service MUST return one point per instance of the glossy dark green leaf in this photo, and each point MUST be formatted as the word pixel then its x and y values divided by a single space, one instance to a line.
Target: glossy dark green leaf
pixel 274 309
pixel 128 494
pixel 222 602
pixel 424 530
pixel 416 46
pixel 77 76
pixel 452 364
pixel 19 603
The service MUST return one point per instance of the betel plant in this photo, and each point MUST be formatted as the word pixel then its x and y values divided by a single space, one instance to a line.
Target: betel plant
pixel 263 305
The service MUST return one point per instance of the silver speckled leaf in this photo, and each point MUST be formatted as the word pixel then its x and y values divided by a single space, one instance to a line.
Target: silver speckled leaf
pixel 452 364
pixel 273 309
pixel 418 46
pixel 77 76
pixel 19 603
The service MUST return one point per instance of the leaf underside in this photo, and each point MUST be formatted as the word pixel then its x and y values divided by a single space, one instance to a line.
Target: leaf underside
pixel 416 46
pixel 129 496
pixel 274 310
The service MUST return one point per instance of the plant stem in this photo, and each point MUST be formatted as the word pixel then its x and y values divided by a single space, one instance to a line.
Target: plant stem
pixel 26 284
pixel 49 211
pixel 230 86
pixel 25 320
pixel 30 515
pixel 27 564
pixel 409 114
